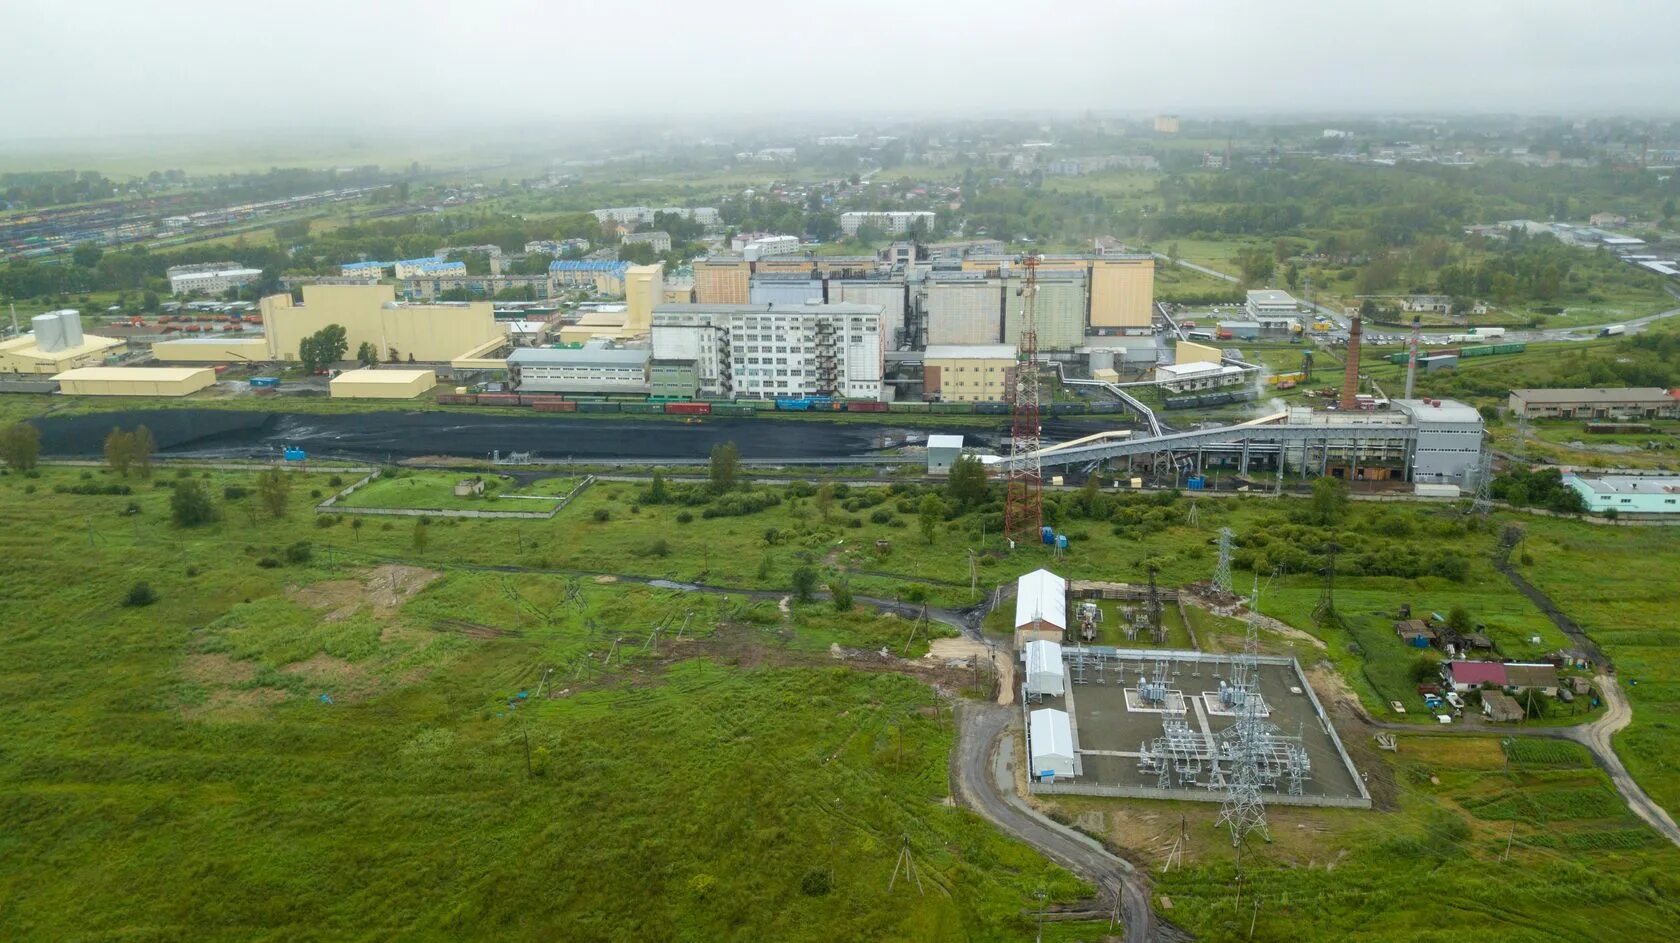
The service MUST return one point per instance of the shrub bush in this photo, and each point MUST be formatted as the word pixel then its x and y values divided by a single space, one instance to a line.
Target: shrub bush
pixel 268 563
pixel 602 515
pixel 140 594
pixel 882 516
pixel 299 552
pixel 235 492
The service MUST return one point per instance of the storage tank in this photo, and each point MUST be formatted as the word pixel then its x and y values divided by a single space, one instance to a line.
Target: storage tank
pixel 72 322
pixel 49 331
pixel 1102 359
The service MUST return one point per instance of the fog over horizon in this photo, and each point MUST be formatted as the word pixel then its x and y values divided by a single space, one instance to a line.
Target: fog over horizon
pixel 100 69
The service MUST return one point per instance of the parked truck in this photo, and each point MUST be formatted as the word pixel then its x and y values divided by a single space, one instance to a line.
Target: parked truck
pixel 1613 330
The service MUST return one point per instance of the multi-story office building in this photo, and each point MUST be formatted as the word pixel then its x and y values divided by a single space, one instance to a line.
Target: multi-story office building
pixel 963 308
pixel 769 351
pixel 721 280
pixel 896 222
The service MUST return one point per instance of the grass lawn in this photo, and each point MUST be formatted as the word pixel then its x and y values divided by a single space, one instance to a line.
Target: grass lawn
pixel 174 769
pixel 436 491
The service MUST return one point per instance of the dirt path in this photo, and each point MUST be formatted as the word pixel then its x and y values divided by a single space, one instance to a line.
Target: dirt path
pixel 966 648
pixel 981 780
pixel 1597 737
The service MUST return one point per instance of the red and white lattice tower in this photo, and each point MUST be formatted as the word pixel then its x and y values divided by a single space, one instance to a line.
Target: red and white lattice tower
pixel 1023 509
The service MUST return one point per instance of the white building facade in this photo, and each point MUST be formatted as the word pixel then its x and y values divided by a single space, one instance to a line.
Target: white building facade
pixel 773 351
pixel 896 222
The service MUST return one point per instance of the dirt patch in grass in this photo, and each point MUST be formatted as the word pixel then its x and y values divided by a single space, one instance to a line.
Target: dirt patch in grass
pixel 219 669
pixel 389 586
pixel 225 702
pixel 324 667
pixel 338 599
pixel 385 588
pixel 966 651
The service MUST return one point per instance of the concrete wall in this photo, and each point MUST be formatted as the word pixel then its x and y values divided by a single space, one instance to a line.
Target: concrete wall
pixel 1187 352
pixel 964 312
pixel 1059 314
pixel 721 282
pixel 973 381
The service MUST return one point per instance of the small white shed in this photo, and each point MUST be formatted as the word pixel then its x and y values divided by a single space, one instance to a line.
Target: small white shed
pixel 942 453
pixel 1040 607
pixel 1050 740
pixel 1045 674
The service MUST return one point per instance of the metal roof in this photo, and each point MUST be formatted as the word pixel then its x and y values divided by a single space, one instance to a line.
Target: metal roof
pixel 1627 484
pixel 582 265
pixel 1041 596
pixel 944 442
pixel 155 374
pixel 1626 394
pixel 382 375
pixel 1052 734
pixel 579 356
pixel 1440 410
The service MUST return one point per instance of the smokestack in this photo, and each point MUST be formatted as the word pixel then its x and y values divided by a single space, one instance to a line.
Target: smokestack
pixel 1411 362
pixel 1350 379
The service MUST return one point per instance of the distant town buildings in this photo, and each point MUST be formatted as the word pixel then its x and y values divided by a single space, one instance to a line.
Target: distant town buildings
pixel 759 245
pixel 210 278
pixel 658 239
pixel 895 222
pixel 1166 124
pixel 639 215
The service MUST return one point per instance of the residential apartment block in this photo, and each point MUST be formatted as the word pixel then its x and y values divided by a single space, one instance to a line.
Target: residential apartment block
pixel 769 351
pixel 896 222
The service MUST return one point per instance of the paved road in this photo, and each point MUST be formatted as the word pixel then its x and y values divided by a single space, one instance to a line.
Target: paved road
pixel 981 780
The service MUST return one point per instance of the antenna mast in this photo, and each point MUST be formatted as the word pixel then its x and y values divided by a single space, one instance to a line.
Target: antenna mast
pixel 1023 512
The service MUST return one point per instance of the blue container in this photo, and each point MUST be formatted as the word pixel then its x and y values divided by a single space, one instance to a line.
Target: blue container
pixel 265 382
pixel 1049 535
pixel 1196 482
pixel 1061 541
pixel 295 454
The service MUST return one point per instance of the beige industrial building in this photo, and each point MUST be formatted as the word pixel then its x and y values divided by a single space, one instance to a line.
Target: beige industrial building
pixel 220 349
pixel 1188 352
pixel 963 309
pixel 1649 402
pixel 431 333
pixel 1122 291
pixel 1059 313
pixel 382 383
pixel 135 381
pixel 56 344
pixel 977 373
pixel 644 290
pixel 721 281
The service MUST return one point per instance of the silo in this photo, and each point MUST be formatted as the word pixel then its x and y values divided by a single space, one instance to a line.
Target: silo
pixel 72 321
pixel 1102 358
pixel 49 331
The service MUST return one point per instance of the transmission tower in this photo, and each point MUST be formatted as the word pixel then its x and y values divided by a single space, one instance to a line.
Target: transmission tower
pixel 1155 608
pixel 1245 744
pixel 1326 610
pixel 1484 481
pixel 1222 571
pixel 1023 509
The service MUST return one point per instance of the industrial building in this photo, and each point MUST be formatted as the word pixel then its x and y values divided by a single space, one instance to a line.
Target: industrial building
pixel 430 333
pixel 1040 608
pixel 963 308
pixel 1050 742
pixel 135 381
pixel 211 278
pixel 1059 314
pixel 770 351
pixel 1448 440
pixel 214 349
pixel 943 452
pixel 1269 306
pixel 784 288
pixel 721 280
pixel 973 373
pixel 895 222
pixel 1197 375
pixel 595 368
pixel 55 344
pixel 382 383
pixel 1628 494
pixel 1122 291
pixel 1604 403
pixel 1044 671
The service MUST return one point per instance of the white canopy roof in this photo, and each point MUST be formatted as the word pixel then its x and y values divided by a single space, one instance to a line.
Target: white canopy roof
pixel 1052 741
pixel 1041 596
pixel 1045 674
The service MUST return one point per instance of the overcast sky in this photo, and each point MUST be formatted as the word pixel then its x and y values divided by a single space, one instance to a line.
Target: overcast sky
pixel 80 69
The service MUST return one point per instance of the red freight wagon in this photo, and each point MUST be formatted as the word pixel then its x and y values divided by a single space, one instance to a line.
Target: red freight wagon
pixel 689 409
pixel 556 406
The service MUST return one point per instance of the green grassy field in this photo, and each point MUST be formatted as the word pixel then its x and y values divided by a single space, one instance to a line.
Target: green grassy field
pixel 436 491
pixel 333 742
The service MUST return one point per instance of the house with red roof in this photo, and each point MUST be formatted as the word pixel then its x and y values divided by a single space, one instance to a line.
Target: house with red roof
pixel 1471 675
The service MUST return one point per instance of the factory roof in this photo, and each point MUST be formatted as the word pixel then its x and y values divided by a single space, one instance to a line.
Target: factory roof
pixel 583 265
pixel 1240 325
pixel 1041 596
pixel 587 356
pixel 969 352
pixel 1438 410
pixel 1180 371
pixel 25 345
pixel 1270 296
pixel 382 375
pixel 162 374
pixel 1625 394
pixel 944 442
pixel 1627 484
pixel 218 273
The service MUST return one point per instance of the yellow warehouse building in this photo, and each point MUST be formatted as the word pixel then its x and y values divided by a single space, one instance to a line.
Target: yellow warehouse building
pixel 432 333
pixel 382 383
pixel 212 350
pixel 135 381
